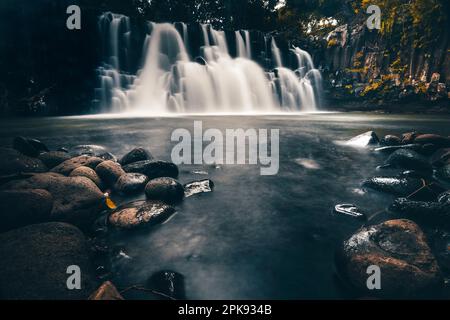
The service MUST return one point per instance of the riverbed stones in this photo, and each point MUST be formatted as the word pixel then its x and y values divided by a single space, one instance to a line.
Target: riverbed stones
pixel 402 186
pixel 408 137
pixel 444 173
pixel 153 168
pixel 441 157
pixel 363 140
pixel 140 213
pixel 76 200
pixel 109 171
pixel 88 173
pixel 23 207
pixel 165 189
pixel 434 139
pixel 196 187
pixel 35 259
pixel 53 158
pixel 391 140
pixel 68 166
pixel 14 162
pixel 107 291
pixel 137 154
pixel 408 159
pixel 427 212
pixel 399 248
pixel 131 183
pixel 92 150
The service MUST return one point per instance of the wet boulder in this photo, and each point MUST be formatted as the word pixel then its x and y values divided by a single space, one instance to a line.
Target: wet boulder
pixel 165 189
pixel 169 283
pixel 109 171
pixel 53 158
pixel 408 137
pixel 68 166
pixel 131 183
pixel 14 162
pixel 400 251
pixel 391 140
pixel 88 173
pixel 135 155
pixel 19 208
pixel 153 168
pixel 35 260
pixel 196 187
pixel 441 157
pixel 363 140
pixel 107 291
pixel 76 200
pixel 408 159
pixel 91 150
pixel 402 186
pixel 434 139
pixel 140 213
pixel 427 212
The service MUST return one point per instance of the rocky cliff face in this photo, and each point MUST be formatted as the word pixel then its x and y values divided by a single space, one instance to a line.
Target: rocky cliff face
pixel 362 65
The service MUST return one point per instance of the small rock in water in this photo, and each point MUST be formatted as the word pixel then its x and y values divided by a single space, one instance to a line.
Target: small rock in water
pixel 169 283
pixel 137 154
pixel 308 163
pixel 399 249
pixel 165 189
pixel 391 140
pixel 140 213
pixel 153 169
pixel 131 183
pixel 408 138
pixel 349 210
pixel 398 186
pixel 196 187
pixel 363 140
pixel 408 159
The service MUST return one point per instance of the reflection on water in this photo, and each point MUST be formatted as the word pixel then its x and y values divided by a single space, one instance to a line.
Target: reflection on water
pixel 254 236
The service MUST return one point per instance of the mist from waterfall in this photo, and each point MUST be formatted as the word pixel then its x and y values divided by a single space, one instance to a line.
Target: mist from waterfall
pixel 172 80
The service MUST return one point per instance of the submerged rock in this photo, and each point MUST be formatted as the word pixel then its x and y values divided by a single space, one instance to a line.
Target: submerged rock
pixel 53 158
pixel 168 282
pixel 76 200
pixel 130 183
pixel 90 150
pixel 109 171
pixel 19 208
pixel 363 140
pixel 68 166
pixel 444 173
pixel 88 173
pixel 14 162
pixel 137 154
pixel 196 187
pixel 349 210
pixel 408 159
pixel 165 189
pixel 441 157
pixel 28 147
pixel 427 212
pixel 140 213
pixel 399 249
pixel 35 260
pixel 153 169
pixel 107 291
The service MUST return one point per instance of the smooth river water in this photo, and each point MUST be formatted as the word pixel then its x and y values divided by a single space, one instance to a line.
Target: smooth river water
pixel 254 237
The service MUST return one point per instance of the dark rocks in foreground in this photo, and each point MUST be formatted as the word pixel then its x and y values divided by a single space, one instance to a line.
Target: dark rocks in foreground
pixel 76 200
pixel 68 166
pixel 165 189
pixel 35 260
pixel 53 158
pixel 140 213
pixel 135 155
pixel 14 162
pixel 408 159
pixel 426 212
pixel 399 248
pixel 19 208
pixel 153 168
pixel 131 183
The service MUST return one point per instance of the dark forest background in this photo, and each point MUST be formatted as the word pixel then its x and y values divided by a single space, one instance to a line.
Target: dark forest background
pixel 47 69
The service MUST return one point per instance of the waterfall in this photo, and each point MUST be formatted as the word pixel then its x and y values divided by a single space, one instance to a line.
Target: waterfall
pixel 171 81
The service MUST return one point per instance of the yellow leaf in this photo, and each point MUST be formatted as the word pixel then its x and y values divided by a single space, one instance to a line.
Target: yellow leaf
pixel 110 204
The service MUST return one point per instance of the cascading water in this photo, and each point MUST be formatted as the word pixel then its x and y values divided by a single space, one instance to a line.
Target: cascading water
pixel 215 81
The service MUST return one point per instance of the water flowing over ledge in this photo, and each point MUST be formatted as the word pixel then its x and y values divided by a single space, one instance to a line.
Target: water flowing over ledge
pixel 179 75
